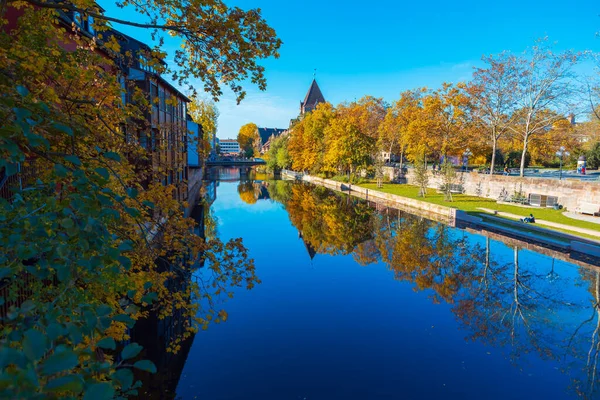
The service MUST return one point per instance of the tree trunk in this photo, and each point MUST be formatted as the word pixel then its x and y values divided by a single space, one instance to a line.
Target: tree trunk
pixel 401 158
pixel 493 162
pixel 522 170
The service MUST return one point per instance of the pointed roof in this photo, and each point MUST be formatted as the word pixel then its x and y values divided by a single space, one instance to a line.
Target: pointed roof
pixel 313 97
pixel 309 248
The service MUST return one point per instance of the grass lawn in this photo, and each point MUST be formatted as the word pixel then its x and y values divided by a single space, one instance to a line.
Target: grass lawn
pixel 471 203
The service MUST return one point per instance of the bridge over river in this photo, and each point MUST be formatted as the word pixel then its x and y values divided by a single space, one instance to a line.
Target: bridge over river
pixel 234 163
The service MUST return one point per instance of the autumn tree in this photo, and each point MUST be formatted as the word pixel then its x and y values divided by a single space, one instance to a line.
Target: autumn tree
pixel 220 45
pixel 447 111
pixel 347 148
pixel 492 91
pixel 544 89
pixel 307 139
pixel 247 137
pixel 392 130
pixel 104 246
pixel 206 114
pixel 543 147
pixel 247 192
pixel 366 114
pixel 417 126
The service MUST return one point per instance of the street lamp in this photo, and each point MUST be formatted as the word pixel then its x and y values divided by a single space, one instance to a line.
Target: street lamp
pixel 560 154
pixel 466 156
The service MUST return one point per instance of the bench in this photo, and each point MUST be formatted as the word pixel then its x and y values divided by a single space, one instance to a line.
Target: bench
pixel 541 200
pixel 588 208
pixel 535 199
pixel 454 188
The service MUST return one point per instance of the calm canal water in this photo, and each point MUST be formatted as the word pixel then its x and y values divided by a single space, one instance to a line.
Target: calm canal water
pixel 357 303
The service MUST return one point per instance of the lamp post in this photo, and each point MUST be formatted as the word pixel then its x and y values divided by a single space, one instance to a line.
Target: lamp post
pixel 552 276
pixel 560 154
pixel 466 156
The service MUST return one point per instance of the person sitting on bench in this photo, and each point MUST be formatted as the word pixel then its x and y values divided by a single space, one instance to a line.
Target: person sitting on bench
pixel 529 220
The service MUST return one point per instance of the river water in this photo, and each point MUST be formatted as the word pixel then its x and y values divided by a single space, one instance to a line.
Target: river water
pixel 361 303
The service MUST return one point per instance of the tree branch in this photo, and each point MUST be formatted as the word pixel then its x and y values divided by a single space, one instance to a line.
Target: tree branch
pixel 71 7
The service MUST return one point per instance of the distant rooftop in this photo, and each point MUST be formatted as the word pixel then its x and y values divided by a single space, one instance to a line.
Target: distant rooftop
pixel 265 133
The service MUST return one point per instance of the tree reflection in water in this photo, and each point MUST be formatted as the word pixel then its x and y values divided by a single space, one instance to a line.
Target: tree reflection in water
pixel 515 306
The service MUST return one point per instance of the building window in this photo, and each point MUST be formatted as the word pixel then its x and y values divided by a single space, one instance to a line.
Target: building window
pixel 78 19
pixel 144 63
pixel 161 98
pixel 153 91
pixel 155 139
pixel 123 90
pixel 87 24
pixel 144 140
pixel 90 25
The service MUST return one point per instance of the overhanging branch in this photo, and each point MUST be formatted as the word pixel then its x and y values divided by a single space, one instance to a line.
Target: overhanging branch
pixel 71 7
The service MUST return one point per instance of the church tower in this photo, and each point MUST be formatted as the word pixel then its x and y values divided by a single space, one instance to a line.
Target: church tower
pixel 313 97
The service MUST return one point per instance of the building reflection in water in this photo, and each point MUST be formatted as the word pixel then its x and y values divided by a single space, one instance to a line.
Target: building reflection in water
pixel 157 335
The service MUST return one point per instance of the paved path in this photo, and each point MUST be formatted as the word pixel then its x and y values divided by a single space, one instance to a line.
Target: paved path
pixel 590 232
pixel 582 217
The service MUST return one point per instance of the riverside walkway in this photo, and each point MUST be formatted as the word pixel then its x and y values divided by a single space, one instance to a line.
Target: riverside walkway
pixel 551 224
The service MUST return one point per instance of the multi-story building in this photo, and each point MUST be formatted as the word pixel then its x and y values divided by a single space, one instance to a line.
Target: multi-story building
pixel 229 146
pixel 164 130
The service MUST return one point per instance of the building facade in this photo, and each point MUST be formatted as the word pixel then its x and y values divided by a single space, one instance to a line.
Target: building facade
pixel 164 130
pixel 229 146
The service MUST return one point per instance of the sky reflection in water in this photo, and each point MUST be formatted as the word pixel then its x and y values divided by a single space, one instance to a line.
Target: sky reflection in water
pixel 356 304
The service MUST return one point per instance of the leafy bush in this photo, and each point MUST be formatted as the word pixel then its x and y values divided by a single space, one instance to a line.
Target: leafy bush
pixel 593 157
pixel 513 159
pixel 499 158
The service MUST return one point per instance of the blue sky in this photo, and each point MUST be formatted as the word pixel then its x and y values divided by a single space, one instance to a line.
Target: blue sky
pixel 382 48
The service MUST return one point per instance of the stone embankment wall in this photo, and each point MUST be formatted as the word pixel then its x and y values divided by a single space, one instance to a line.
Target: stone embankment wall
pixel 570 192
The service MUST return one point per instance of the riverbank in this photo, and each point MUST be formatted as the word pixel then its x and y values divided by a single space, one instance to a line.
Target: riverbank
pixel 480 213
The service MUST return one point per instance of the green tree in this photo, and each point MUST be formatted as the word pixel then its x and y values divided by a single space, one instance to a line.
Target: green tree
pixel 421 175
pixel 593 157
pixel 278 156
pixel 206 114
pixel 448 179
